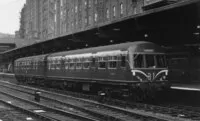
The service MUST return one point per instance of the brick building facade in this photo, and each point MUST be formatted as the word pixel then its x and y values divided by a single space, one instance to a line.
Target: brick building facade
pixel 46 19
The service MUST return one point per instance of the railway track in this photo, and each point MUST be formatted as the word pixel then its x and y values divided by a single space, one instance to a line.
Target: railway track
pixel 179 112
pixel 107 112
pixel 188 112
pixel 10 112
pixel 44 112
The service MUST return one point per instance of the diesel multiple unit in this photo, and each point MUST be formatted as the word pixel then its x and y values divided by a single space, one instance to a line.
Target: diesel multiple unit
pixel 128 68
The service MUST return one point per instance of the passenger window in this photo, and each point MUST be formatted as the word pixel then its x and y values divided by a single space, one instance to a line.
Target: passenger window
pixel 78 64
pixel 112 62
pixel 138 61
pixel 102 62
pixel 72 64
pixel 86 63
pixel 57 64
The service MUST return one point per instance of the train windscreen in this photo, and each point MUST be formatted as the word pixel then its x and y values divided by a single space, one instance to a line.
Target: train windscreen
pixel 149 60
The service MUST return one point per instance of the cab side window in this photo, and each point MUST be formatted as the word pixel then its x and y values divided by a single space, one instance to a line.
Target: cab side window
pixel 138 61
pixel 123 61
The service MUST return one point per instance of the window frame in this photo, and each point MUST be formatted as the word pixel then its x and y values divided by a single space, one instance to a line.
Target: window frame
pixel 112 59
pixel 102 59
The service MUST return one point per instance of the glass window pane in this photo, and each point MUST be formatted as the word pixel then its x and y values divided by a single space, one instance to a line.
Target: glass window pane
pixel 161 61
pixel 138 61
pixel 123 61
pixel 150 62
pixel 102 64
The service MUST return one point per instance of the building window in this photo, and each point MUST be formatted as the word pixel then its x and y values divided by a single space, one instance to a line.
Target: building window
pixel 114 11
pixel 72 24
pixel 76 9
pixel 90 4
pixel 55 20
pixel 95 1
pixel 61 3
pixel 95 17
pixel 85 2
pixel 107 13
pixel 76 22
pixel 85 20
pixel 121 9
pixel 90 19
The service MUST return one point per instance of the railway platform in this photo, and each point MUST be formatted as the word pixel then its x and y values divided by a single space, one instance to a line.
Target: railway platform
pixel 186 87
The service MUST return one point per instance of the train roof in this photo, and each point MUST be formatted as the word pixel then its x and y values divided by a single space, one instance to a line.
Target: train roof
pixel 37 57
pixel 138 46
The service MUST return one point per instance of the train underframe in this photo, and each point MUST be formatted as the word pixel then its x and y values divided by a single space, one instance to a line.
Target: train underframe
pixel 135 91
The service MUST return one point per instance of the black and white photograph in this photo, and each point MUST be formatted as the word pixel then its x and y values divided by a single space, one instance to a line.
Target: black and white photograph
pixel 99 60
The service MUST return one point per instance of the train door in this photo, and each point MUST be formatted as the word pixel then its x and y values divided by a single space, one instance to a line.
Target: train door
pixel 93 68
pixel 113 67
pixel 102 68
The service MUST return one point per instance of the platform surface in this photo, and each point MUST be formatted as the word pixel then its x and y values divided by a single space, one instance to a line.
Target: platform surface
pixel 189 87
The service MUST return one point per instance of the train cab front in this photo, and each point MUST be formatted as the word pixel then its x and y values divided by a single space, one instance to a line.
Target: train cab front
pixel 149 69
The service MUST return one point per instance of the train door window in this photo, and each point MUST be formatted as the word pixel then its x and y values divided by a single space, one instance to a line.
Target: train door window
pixel 52 64
pixel 36 64
pixel 66 64
pixel 49 64
pixel 72 64
pixel 57 64
pixel 78 63
pixel 22 66
pixel 138 61
pixel 101 62
pixel 112 62
pixel 123 61
pixel 27 65
pixel 150 61
pixel 93 62
pixel 33 65
pixel 16 66
pixel 86 63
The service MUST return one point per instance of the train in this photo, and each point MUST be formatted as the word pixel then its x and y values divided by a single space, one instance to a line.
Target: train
pixel 136 69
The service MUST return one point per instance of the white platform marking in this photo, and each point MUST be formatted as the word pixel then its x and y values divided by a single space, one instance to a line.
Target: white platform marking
pixel 39 111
